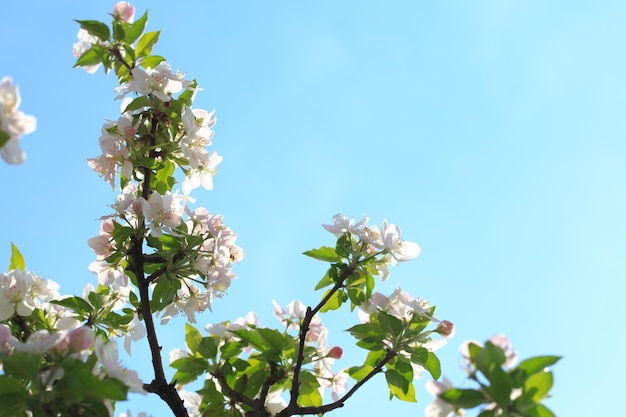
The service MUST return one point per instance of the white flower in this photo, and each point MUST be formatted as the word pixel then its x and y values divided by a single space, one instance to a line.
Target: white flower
pixel 342 224
pixel 161 210
pixel 109 358
pixel 274 403
pixel 399 249
pixel 203 174
pixel 136 330
pixel 158 81
pixel 13 123
pixel 191 401
pixel 438 407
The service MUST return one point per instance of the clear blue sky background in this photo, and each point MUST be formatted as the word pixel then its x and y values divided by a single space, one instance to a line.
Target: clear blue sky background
pixel 492 132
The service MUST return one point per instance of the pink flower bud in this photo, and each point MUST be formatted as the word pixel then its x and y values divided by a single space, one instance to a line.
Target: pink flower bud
pixel 335 353
pixel 445 329
pixel 81 338
pixel 5 338
pixel 124 11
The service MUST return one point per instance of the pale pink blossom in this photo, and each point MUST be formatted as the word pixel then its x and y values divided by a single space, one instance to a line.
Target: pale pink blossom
pixel 203 174
pixel 81 338
pixel 124 11
pixel 135 331
pixel 161 210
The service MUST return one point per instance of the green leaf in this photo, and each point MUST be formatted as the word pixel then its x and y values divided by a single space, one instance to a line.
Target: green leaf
pixel 463 398
pixel 92 56
pixel 428 360
pixel 9 384
pixel 334 302
pixel 309 391
pixel 536 364
pixel 273 338
pixel 538 385
pixel 390 324
pixel 146 42
pixel 188 369
pixel 359 372
pixel 22 365
pixel 118 32
pixel 152 61
pixel 324 282
pixel 399 386
pixel 135 30
pixel 325 253
pixel 17 260
pixel 95 28
pixel 539 410
pixel 208 347
pixel 139 102
pixel 4 138
pixel 500 388
pixel 13 404
pixel 192 337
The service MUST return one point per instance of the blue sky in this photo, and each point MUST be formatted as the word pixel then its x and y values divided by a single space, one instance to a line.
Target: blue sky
pixel 492 132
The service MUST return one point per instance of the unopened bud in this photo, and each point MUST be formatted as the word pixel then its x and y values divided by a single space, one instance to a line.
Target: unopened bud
pixel 335 353
pixel 445 329
pixel 81 338
pixel 124 11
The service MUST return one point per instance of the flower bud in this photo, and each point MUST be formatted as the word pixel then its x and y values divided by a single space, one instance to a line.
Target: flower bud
pixel 124 11
pixel 446 329
pixel 5 338
pixel 81 338
pixel 335 353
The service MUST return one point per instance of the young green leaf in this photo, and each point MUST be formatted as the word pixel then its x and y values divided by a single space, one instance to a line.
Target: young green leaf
pixel 95 28
pixel 17 259
pixel 135 30
pixel 146 42
pixel 325 253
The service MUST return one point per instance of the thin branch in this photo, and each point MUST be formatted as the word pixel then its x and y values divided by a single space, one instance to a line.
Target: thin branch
pixel 304 329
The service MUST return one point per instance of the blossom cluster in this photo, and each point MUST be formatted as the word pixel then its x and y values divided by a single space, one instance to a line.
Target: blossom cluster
pixel 386 240
pixel 13 123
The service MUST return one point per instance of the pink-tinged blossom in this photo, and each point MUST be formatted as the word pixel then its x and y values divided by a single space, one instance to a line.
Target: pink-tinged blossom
pixel 335 352
pixel 161 210
pixel 41 342
pixel 13 122
pixel 81 338
pixel 339 384
pixel 446 329
pixel 342 224
pixel 292 316
pixel 399 304
pixel 85 42
pixel 438 407
pixel 115 154
pixel 23 291
pixel 109 358
pixel 158 81
pixel 7 341
pixel 503 343
pixel 124 11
